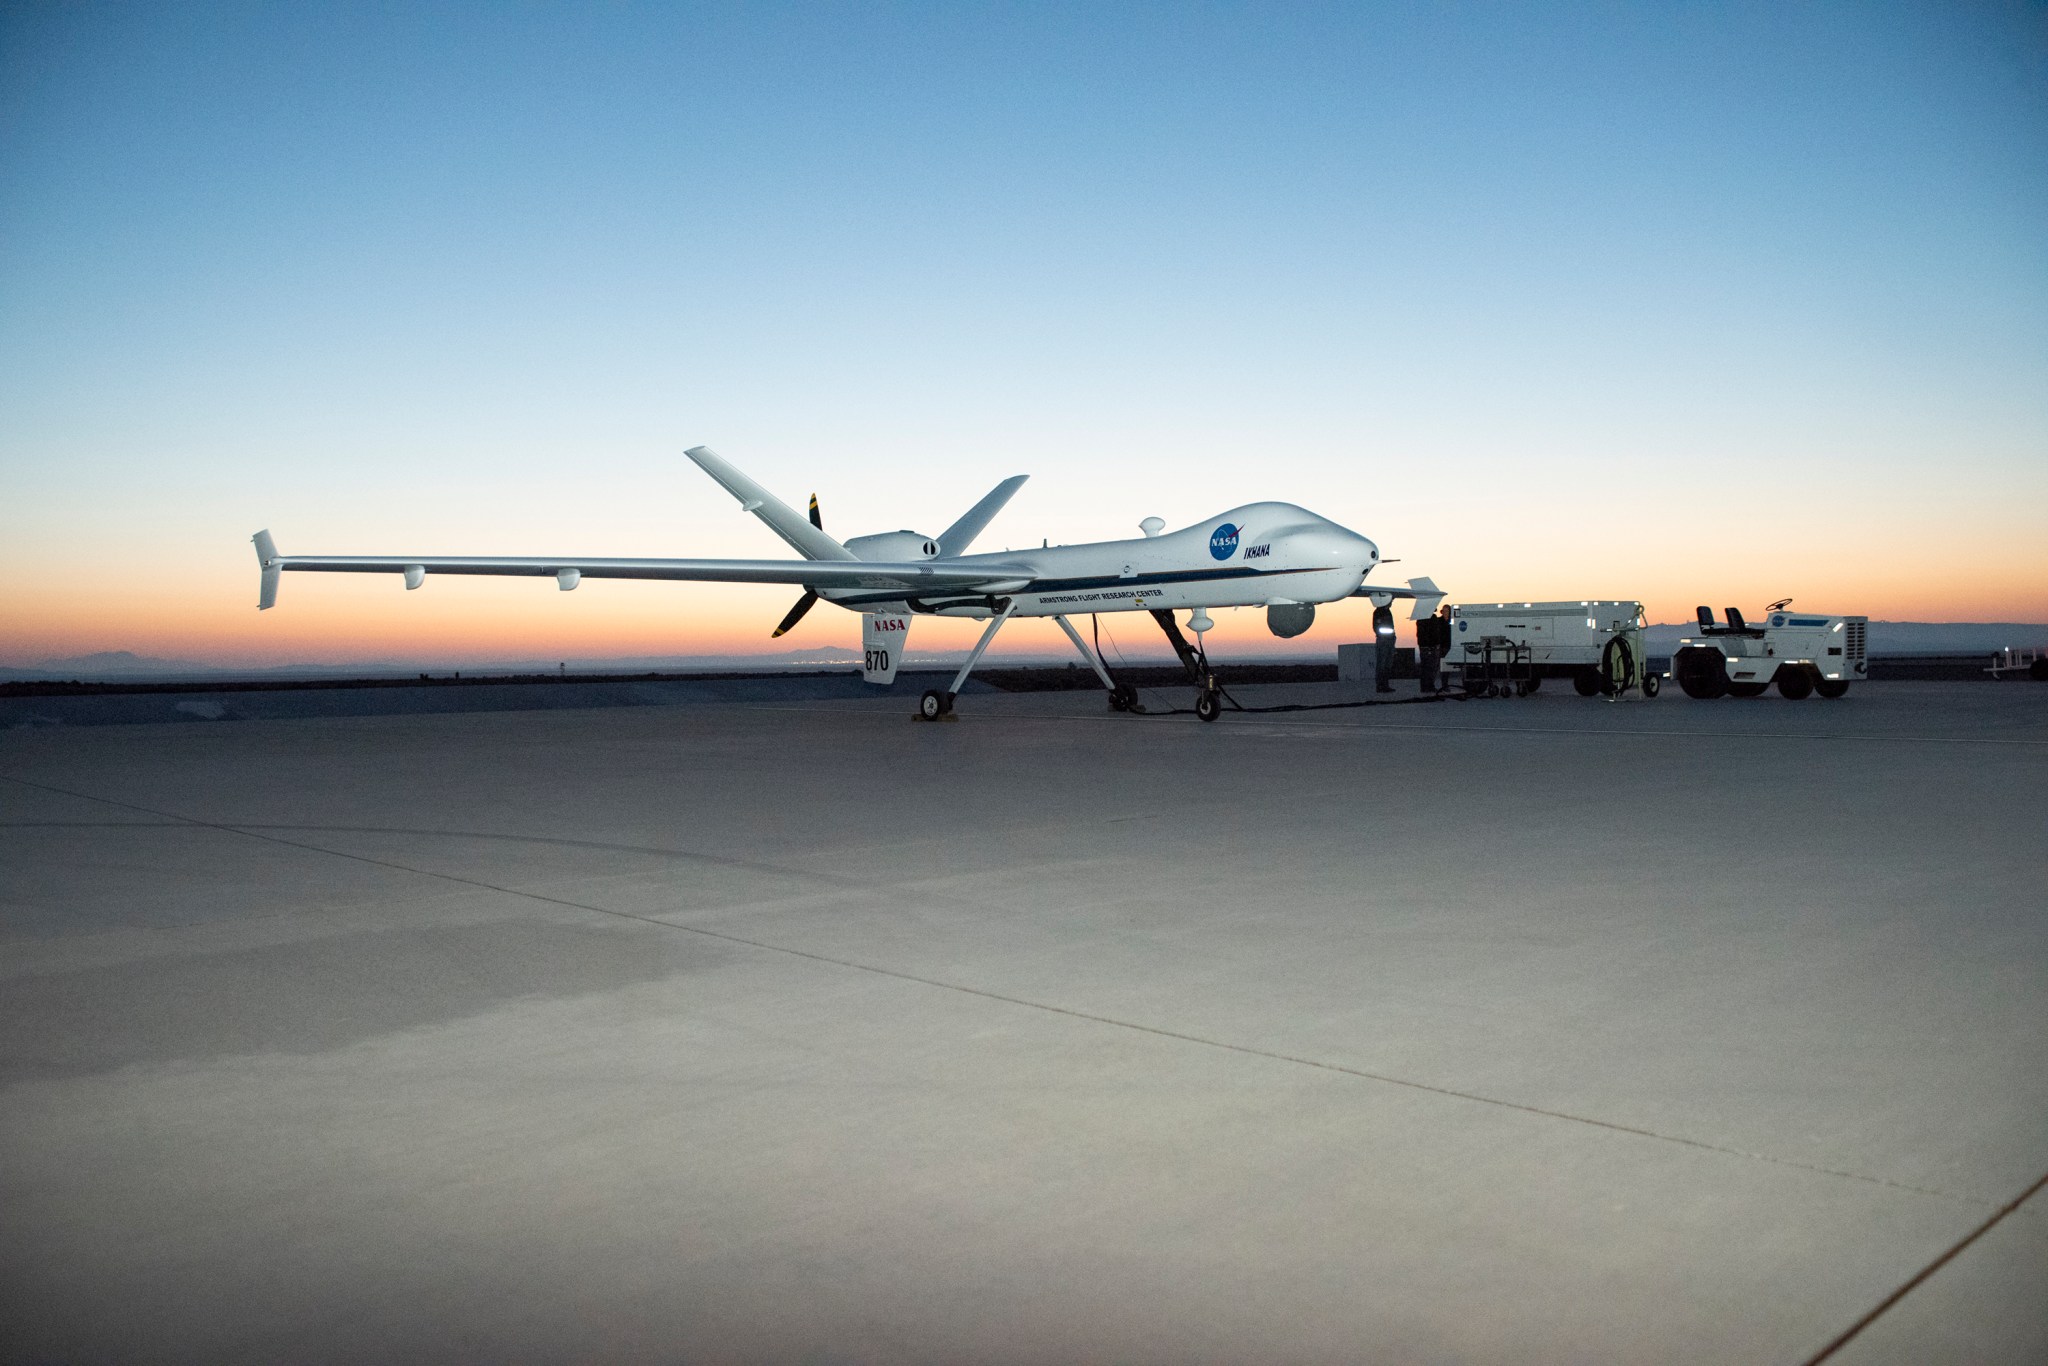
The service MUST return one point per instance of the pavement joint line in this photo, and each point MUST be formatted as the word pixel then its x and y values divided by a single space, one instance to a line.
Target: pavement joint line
pixel 1267 726
pixel 257 833
pixel 1848 1334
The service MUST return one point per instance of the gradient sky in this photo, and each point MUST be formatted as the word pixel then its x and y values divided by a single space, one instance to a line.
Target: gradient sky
pixel 1681 302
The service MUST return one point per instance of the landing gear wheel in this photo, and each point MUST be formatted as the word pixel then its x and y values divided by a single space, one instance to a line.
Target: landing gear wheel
pixel 1585 683
pixel 1650 685
pixel 1794 684
pixel 1832 687
pixel 1208 704
pixel 1748 689
pixel 934 704
pixel 1123 697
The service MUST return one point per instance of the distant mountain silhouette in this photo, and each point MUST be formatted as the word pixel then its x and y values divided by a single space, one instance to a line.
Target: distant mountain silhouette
pixel 116 662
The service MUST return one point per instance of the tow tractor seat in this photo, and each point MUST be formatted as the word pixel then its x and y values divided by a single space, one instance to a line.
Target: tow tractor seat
pixel 1738 627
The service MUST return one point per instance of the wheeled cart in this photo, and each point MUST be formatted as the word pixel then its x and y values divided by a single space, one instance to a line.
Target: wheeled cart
pixel 1495 666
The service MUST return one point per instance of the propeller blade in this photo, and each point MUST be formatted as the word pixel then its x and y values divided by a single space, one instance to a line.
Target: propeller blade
pixel 816 520
pixel 803 604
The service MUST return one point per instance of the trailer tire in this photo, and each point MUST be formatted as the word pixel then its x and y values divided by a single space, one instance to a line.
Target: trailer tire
pixel 1794 684
pixel 1651 683
pixel 1832 688
pixel 1585 683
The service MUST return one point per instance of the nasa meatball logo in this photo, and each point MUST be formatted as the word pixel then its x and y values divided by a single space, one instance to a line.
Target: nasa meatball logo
pixel 1223 541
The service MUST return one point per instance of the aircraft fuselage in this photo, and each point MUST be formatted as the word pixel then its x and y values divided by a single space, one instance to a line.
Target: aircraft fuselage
pixel 1250 556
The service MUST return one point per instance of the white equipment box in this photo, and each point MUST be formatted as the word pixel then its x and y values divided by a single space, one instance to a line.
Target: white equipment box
pixel 1516 645
pixel 1802 652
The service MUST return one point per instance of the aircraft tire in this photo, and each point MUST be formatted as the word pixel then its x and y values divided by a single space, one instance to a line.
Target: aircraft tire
pixel 1123 697
pixel 1208 705
pixel 932 705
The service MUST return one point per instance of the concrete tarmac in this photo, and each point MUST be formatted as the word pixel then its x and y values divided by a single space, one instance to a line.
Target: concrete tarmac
pixel 1533 1030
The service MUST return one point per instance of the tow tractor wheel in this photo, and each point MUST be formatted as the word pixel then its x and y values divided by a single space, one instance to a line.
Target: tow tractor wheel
pixel 1748 689
pixel 1585 683
pixel 933 704
pixel 1208 705
pixel 1702 674
pixel 1650 685
pixel 1832 687
pixel 1123 697
pixel 1794 684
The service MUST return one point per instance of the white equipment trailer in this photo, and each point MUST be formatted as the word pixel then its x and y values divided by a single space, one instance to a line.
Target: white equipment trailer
pixel 1511 647
pixel 1802 652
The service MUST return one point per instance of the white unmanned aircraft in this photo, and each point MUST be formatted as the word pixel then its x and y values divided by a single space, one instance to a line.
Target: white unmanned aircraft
pixel 1271 555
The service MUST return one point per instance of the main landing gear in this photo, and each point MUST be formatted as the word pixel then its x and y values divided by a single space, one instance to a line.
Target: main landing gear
pixel 938 706
pixel 1124 697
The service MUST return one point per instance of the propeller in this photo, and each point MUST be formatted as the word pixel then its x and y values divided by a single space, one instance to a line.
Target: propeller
pixel 810 597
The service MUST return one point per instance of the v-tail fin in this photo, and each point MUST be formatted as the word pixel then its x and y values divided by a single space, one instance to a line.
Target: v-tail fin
pixel 955 539
pixel 809 541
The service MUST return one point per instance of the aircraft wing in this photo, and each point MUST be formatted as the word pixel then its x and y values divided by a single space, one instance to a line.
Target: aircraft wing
pixel 1424 591
pixel 568 571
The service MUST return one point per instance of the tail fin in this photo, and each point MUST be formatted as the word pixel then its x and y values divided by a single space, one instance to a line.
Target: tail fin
pixel 266 560
pixel 882 635
pixel 957 537
pixel 785 521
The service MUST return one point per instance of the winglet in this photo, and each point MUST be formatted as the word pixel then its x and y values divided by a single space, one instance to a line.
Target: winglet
pixel 1427 596
pixel 266 560
pixel 955 539
pixel 784 520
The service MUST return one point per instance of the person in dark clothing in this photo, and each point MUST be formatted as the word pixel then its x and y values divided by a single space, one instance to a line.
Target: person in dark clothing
pixel 1432 643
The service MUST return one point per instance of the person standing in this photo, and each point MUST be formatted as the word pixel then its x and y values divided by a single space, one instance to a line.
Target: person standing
pixel 1383 648
pixel 1432 643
